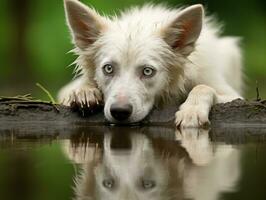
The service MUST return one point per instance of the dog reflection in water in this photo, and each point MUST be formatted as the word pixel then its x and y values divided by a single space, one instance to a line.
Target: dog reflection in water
pixel 135 167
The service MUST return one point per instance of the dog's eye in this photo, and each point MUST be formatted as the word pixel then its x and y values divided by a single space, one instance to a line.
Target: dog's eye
pixel 108 183
pixel 148 184
pixel 108 69
pixel 148 72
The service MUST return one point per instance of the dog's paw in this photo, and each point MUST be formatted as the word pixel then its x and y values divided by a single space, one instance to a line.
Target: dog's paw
pixel 192 117
pixel 84 98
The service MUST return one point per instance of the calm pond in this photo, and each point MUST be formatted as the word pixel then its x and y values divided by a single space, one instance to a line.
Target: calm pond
pixel 137 163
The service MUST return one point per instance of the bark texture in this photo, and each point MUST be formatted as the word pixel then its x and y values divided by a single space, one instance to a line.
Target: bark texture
pixel 19 114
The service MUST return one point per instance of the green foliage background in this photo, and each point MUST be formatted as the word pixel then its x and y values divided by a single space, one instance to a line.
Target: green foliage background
pixel 46 40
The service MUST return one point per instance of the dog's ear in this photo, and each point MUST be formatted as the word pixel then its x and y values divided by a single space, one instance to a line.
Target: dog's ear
pixel 182 33
pixel 84 23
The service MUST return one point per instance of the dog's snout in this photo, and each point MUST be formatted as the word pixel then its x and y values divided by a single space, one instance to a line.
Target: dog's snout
pixel 121 112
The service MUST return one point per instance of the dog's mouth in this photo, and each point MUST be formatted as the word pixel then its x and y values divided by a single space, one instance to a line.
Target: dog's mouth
pixel 123 115
pixel 128 122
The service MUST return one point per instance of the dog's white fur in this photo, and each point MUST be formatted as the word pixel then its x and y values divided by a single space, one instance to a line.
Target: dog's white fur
pixel 183 47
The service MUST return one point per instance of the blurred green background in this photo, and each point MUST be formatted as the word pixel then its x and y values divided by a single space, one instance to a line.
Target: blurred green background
pixel 34 41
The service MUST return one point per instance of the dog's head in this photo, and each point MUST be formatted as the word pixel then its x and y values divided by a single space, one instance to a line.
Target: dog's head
pixel 137 59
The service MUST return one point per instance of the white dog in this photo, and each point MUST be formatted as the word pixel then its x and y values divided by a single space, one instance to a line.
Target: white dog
pixel 150 56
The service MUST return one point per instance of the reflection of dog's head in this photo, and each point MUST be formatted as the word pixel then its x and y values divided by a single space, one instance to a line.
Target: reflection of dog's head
pixel 129 165
pixel 140 169
pixel 136 59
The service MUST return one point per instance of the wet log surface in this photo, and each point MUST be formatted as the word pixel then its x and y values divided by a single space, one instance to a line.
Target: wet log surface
pixel 41 118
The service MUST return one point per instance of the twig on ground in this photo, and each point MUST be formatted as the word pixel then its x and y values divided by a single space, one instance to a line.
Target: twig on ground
pixel 257 92
pixel 47 92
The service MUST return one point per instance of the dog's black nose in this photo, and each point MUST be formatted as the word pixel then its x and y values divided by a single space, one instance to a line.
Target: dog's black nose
pixel 121 112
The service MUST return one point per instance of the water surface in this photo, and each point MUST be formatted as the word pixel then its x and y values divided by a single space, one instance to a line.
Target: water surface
pixel 120 163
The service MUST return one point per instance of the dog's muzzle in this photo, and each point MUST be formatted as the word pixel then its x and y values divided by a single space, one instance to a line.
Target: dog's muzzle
pixel 121 112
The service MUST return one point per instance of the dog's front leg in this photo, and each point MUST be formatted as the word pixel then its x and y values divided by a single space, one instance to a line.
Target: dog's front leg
pixel 81 92
pixel 195 110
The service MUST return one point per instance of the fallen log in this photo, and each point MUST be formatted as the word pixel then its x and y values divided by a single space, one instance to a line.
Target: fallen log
pixel 236 113
pixel 232 122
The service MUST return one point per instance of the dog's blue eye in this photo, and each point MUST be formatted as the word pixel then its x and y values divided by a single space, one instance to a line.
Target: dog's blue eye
pixel 108 69
pixel 148 71
pixel 148 184
pixel 108 183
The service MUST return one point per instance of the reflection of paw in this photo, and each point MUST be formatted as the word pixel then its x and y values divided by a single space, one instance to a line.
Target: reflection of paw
pixel 197 144
pixel 192 117
pixel 84 98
